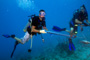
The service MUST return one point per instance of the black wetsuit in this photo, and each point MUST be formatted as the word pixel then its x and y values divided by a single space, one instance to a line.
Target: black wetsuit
pixel 80 16
pixel 37 23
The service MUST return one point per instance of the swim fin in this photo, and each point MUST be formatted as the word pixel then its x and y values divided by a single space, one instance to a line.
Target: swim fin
pixel 55 28
pixel 71 45
pixel 9 36
pixel 16 43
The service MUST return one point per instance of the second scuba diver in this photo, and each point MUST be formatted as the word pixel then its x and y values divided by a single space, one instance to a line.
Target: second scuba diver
pixel 78 20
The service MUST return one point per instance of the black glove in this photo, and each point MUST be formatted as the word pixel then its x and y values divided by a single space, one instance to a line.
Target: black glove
pixel 12 36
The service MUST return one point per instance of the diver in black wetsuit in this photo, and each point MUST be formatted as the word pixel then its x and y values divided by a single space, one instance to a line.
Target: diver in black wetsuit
pixel 36 25
pixel 78 20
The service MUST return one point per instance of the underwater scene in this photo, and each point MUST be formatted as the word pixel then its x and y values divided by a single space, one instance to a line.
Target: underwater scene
pixel 45 30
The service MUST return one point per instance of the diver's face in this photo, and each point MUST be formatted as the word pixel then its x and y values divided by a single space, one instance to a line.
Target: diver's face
pixel 82 9
pixel 42 14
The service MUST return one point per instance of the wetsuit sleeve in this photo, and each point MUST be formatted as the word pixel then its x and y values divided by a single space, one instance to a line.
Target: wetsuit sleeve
pixel 29 20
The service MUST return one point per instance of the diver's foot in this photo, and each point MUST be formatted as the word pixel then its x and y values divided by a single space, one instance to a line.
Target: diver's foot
pixel 29 50
pixel 12 36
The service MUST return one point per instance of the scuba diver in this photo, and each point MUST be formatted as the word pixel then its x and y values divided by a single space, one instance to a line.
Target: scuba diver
pixel 36 25
pixel 79 18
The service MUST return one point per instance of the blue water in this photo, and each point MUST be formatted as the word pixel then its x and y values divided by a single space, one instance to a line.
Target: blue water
pixel 14 16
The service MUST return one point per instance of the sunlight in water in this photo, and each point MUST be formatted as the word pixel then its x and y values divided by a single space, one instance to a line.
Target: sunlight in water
pixel 26 4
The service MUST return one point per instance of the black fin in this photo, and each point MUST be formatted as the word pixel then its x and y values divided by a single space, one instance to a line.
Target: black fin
pixel 16 43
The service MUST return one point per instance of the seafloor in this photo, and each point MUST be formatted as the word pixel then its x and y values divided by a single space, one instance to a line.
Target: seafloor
pixel 61 52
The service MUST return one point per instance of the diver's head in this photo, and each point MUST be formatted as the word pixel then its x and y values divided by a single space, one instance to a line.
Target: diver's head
pixel 82 8
pixel 41 13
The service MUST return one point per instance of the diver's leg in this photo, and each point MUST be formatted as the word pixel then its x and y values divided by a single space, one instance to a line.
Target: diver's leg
pixel 71 31
pixel 70 44
pixel 16 43
pixel 73 46
pixel 18 39
pixel 12 36
pixel 74 31
pixel 24 39
pixel 71 28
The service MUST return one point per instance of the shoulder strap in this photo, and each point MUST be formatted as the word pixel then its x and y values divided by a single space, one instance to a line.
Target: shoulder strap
pixel 77 11
pixel 32 17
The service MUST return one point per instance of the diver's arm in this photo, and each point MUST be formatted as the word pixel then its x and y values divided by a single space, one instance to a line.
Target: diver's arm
pixel 77 21
pixel 37 31
pixel 25 28
pixel 34 30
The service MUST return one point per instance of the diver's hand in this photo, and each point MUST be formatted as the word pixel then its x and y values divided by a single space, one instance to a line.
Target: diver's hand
pixel 42 31
pixel 24 30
